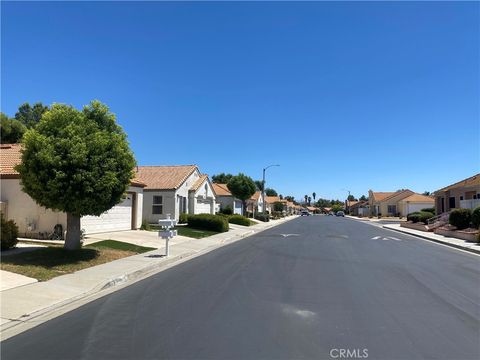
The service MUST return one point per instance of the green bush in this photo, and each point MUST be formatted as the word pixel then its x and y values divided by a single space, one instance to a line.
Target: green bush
pixel 460 218
pixel 183 218
pixel 414 217
pixel 239 220
pixel 425 216
pixel 262 217
pixel 145 225
pixel 208 222
pixel 9 233
pixel 227 210
pixel 476 217
pixel 430 210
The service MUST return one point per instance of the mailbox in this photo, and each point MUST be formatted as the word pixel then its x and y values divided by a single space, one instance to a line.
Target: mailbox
pixel 167 233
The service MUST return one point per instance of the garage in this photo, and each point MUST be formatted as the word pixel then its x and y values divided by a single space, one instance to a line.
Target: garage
pixel 116 219
pixel 203 206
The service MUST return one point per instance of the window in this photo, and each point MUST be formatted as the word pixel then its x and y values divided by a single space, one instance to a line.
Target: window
pixel 157 205
pixel 392 209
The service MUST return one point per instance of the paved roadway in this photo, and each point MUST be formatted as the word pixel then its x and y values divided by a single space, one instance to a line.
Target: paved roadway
pixel 326 287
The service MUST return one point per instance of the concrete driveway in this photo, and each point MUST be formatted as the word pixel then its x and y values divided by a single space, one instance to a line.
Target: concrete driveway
pixel 137 237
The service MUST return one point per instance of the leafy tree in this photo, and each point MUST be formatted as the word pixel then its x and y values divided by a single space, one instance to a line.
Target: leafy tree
pixel 322 203
pixel 78 162
pixel 242 187
pixel 290 198
pixel 280 197
pixel 259 184
pixel 30 115
pixel 314 196
pixel 221 178
pixel 363 198
pixel 270 192
pixel 337 207
pixel 426 193
pixel 351 198
pixel 278 206
pixel 11 130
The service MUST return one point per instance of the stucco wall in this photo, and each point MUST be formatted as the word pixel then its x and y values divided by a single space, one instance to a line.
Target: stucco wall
pixel 23 210
pixel 169 204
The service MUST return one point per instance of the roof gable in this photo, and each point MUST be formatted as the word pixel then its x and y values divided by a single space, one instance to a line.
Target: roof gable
pixel 164 177
pixel 471 181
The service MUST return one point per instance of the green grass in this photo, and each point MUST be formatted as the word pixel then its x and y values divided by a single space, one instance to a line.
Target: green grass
pixel 189 231
pixel 49 262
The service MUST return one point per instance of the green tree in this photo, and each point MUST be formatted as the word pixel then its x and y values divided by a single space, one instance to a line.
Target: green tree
pixel 11 130
pixel 351 198
pixel 290 198
pixel 309 201
pixel 30 115
pixel 221 178
pixel 363 198
pixel 314 196
pixel 426 193
pixel 78 162
pixel 270 192
pixel 242 187
pixel 278 206
pixel 306 199
pixel 259 184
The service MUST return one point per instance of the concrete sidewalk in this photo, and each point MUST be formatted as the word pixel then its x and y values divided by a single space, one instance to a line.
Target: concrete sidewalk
pixel 27 302
pixel 457 243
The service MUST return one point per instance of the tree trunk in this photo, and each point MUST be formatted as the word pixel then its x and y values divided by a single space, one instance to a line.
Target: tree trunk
pixel 244 207
pixel 72 240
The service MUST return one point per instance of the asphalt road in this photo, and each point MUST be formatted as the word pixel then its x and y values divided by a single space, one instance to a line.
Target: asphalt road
pixel 333 284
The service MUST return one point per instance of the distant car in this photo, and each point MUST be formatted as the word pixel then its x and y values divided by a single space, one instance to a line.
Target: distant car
pixel 304 213
pixel 330 213
pixel 340 213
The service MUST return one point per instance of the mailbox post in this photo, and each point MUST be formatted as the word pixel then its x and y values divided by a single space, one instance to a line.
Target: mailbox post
pixel 167 233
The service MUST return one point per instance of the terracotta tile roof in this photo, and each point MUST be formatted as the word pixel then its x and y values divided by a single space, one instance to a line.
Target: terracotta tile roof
pixel 358 204
pixel 164 177
pixel 405 193
pixel 351 203
pixel 221 189
pixel 471 181
pixel 199 182
pixel 256 196
pixel 10 156
pixel 419 198
pixel 272 199
pixel 380 195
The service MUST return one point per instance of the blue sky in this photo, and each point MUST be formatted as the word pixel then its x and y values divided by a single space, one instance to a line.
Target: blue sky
pixel 341 95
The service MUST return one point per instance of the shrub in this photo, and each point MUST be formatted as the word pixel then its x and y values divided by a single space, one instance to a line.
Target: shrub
pixel 414 217
pixel 208 222
pixel 460 218
pixel 425 216
pixel 476 217
pixel 183 218
pixel 145 225
pixel 227 210
pixel 430 210
pixel 239 220
pixel 9 233
pixel 262 217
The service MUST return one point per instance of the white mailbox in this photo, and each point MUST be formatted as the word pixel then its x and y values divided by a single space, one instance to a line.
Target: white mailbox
pixel 167 233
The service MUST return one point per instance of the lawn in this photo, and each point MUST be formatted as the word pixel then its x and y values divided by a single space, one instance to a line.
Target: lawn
pixel 47 263
pixel 189 231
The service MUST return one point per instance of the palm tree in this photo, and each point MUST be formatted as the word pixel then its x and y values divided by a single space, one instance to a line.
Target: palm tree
pixel 309 200
pixel 314 196
pixel 306 198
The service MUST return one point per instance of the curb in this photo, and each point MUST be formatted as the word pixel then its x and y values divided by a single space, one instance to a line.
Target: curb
pixel 123 279
pixel 475 251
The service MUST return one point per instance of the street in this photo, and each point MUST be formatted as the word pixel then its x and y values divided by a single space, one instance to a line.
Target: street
pixel 313 288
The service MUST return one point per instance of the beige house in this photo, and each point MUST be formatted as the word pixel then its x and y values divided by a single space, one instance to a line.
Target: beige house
pixel 174 190
pixel 270 200
pixel 36 221
pixel 255 203
pixel 225 199
pixel 401 202
pixel 462 194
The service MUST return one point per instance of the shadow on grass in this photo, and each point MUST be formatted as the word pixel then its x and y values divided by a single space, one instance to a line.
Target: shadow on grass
pixel 51 257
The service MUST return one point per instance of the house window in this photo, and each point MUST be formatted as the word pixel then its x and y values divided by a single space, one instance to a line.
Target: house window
pixel 392 209
pixel 157 205
pixel 451 202
pixel 461 198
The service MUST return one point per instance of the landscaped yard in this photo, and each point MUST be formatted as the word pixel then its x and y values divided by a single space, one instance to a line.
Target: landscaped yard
pixel 47 263
pixel 188 231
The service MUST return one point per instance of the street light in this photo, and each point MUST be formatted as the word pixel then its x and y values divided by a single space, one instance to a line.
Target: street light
pixel 348 201
pixel 263 187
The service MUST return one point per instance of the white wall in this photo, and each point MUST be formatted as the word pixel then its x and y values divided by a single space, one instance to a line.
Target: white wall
pixel 413 207
pixel 169 204
pixel 22 209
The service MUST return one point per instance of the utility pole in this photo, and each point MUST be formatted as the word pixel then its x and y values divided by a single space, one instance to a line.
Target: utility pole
pixel 263 187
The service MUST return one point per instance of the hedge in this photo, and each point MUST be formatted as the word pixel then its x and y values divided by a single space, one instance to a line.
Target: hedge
pixel 227 210
pixel 476 217
pixel 425 216
pixel 239 220
pixel 183 218
pixel 9 234
pixel 262 217
pixel 460 218
pixel 431 210
pixel 414 217
pixel 208 222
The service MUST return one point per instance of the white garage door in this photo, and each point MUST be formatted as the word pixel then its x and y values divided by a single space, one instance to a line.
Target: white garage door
pixel 117 218
pixel 203 207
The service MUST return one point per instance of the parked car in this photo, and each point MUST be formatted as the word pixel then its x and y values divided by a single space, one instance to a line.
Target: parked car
pixel 305 213
pixel 330 213
pixel 340 213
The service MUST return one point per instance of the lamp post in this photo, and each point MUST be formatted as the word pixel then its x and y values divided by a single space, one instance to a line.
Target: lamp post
pixel 263 187
pixel 348 201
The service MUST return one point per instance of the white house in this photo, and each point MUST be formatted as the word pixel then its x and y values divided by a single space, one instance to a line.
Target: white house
pixel 226 199
pixel 174 190
pixel 34 220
